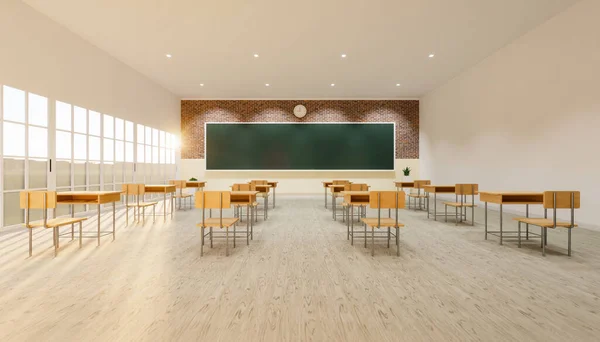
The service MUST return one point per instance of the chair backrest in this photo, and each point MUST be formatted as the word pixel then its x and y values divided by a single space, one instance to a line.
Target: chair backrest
pixel 179 184
pixel 467 189
pixel 562 199
pixel 419 184
pixel 134 189
pixel 37 199
pixel 241 187
pixel 356 187
pixel 213 200
pixel 340 182
pixel 387 199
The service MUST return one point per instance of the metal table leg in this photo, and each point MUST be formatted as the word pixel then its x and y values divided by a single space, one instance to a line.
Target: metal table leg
pixel 500 223
pixel 486 220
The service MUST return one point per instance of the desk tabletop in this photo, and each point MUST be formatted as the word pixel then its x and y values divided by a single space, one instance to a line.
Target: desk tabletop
pixel 355 192
pixel 245 193
pixel 87 193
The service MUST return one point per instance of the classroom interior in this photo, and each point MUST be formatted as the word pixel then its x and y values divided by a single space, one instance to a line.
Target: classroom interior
pixel 291 171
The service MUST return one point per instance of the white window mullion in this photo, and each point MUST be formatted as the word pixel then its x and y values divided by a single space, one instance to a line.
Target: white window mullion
pixel 51 176
pixel 1 157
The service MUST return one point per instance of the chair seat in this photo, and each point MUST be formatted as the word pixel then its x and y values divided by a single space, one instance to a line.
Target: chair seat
pixel 216 222
pixel 417 196
pixel 542 222
pixel 142 204
pixel 385 222
pixel 183 195
pixel 458 204
pixel 57 222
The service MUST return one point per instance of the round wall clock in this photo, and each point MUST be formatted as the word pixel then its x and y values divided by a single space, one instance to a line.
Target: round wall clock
pixel 299 111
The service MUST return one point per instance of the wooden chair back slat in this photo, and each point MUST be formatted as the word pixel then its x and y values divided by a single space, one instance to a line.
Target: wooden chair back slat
pixel 419 184
pixel 133 189
pixel 241 187
pixel 467 189
pixel 356 187
pixel 179 184
pixel 213 200
pixel 35 199
pixel 563 199
pixel 388 199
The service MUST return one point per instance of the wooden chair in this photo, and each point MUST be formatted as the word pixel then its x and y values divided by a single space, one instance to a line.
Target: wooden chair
pixel 264 194
pixel 137 191
pixel 216 200
pixel 336 193
pixel 463 190
pixel 554 200
pixel 45 200
pixel 384 200
pixel 420 194
pixel 239 207
pixel 346 206
pixel 180 185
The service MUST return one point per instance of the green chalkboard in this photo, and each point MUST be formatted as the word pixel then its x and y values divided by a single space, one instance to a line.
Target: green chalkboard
pixel 311 146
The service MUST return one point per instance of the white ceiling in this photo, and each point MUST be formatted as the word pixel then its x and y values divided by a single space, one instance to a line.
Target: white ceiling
pixel 300 42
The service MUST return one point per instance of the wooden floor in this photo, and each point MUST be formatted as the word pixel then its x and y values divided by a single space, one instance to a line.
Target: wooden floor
pixel 300 279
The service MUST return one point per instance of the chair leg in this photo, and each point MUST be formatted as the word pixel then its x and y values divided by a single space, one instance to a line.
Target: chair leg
pixel 234 237
pixel 202 242
pixel 544 229
pixel 397 241
pixel 473 216
pixel 72 232
pixel 519 233
pixel 211 237
pixel 247 225
pixel 372 241
pixel 30 241
pixel 80 232
pixel 456 215
pixel 365 235
pixel 54 233
pixel 389 237
pixel 226 241
pixel 569 247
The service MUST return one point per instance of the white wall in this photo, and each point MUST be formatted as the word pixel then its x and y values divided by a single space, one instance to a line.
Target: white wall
pixel 40 56
pixel 527 117
pixel 296 182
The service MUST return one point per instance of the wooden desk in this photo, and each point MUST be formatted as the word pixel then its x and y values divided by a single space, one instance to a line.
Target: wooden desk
pixel 437 189
pixel 90 198
pixel 325 187
pixel 195 184
pixel 335 188
pixel 402 185
pixel 163 189
pixel 354 198
pixel 510 198
pixel 264 188
pixel 274 187
pixel 247 198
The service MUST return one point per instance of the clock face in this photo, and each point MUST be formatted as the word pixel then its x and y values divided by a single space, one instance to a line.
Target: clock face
pixel 299 111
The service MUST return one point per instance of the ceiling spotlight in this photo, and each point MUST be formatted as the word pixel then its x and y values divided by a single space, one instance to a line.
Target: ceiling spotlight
pixel 343 55
pixel 202 84
pixel 431 55
pixel 255 55
pixel 333 84
pixel 169 55
pixel 398 84
pixel 267 85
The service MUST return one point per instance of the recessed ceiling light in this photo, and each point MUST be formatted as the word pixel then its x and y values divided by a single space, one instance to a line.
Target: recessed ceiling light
pixel 333 84
pixel 202 84
pixel 343 55
pixel 267 85
pixel 256 55
pixel 169 55
pixel 431 55
pixel 398 84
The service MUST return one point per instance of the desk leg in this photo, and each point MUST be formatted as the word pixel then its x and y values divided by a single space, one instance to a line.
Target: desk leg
pixel 486 220
pixel 274 193
pixel 164 206
pixel 172 204
pixel 334 205
pixel 351 224
pixel 98 224
pixel 435 206
pixel 325 198
pixel 527 225
pixel 427 205
pixel 500 223
pixel 247 224
pixel 113 205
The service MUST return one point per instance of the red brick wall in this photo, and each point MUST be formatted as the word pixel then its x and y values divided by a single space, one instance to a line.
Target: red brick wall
pixel 405 113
